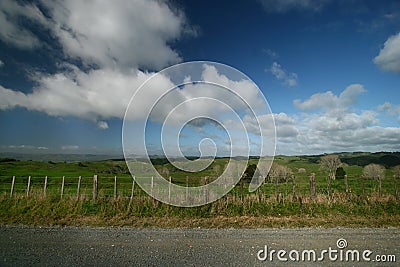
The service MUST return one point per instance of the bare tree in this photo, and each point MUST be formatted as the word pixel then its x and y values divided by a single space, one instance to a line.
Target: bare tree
pixel 301 170
pixel 165 171
pixel 396 170
pixel 373 171
pixel 283 173
pixel 330 163
pixel 217 170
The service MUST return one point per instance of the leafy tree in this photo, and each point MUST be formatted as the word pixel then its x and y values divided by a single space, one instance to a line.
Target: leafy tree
pixel 340 173
pixel 249 172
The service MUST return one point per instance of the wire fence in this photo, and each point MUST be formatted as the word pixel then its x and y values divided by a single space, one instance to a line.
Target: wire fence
pixel 84 187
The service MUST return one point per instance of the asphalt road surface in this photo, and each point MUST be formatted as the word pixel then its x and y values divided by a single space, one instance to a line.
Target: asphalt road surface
pixel 72 246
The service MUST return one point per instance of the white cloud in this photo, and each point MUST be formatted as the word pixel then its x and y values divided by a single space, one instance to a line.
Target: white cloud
pixel 70 147
pixel 390 109
pixel 120 33
pixel 290 79
pixel 12 30
pixel 285 126
pixel 92 95
pixel 113 40
pixel 283 6
pixel 198 99
pixel 245 88
pixel 329 101
pixel 23 147
pixel 271 53
pixel 330 124
pixel 104 93
pixel 1 63
pixel 389 56
pixel 102 125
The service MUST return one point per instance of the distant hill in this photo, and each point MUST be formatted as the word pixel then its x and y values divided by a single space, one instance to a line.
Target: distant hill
pixel 387 159
pixel 59 157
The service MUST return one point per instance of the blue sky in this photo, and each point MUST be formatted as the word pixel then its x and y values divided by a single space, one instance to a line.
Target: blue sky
pixel 330 70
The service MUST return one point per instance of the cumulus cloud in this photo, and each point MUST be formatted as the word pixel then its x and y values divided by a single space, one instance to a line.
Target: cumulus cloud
pixel 12 30
pixel 70 147
pixel 108 34
pixel 24 147
pixel 329 123
pixel 219 98
pixel 283 6
pixel 329 101
pixel 105 93
pixel 118 33
pixel 289 79
pixel 102 93
pixel 102 125
pixel 344 121
pixel 284 125
pixel 271 53
pixel 113 41
pixel 390 109
pixel 389 56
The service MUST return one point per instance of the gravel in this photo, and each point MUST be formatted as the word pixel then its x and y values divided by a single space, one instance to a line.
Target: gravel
pixel 76 246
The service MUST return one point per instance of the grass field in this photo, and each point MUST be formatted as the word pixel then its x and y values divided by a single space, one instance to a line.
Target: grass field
pixel 272 205
pixel 226 212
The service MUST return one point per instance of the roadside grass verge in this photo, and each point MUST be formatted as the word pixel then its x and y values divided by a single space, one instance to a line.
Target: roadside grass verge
pixel 228 212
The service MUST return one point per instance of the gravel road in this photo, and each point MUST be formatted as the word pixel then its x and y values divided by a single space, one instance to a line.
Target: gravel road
pixel 72 246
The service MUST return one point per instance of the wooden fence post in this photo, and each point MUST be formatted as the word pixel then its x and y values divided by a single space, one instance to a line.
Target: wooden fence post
pixel 206 189
pixel 329 185
pixel 312 186
pixel 242 189
pixel 169 189
pixel 187 188
pixel 363 186
pixel 396 193
pixel 346 183
pixel 45 186
pixel 29 186
pixel 259 189
pixel 294 186
pixel 133 190
pixel 115 187
pixel 379 186
pixel 62 186
pixel 95 184
pixel 152 186
pixel 13 183
pixel 78 191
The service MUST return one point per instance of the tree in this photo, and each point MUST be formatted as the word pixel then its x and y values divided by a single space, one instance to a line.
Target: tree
pixel 249 173
pixel 165 171
pixel 217 170
pixel 283 173
pixel 340 173
pixel 373 171
pixel 396 170
pixel 330 163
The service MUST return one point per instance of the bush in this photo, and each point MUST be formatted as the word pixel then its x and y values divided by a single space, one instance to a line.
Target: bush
pixel 340 173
